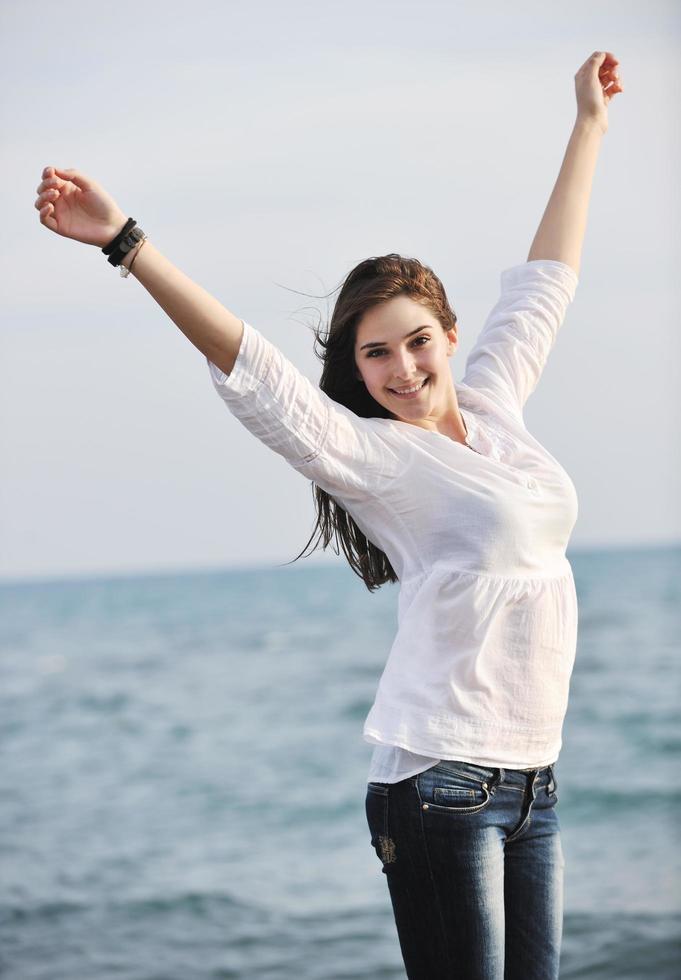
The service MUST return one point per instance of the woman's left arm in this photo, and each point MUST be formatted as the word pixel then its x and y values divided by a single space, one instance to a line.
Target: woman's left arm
pixel 561 232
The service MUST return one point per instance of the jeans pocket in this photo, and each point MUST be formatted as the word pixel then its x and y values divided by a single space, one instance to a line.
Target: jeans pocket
pixel 380 788
pixel 376 806
pixel 455 787
pixel 552 786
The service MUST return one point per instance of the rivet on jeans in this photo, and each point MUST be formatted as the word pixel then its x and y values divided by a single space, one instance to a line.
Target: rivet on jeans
pixel 425 806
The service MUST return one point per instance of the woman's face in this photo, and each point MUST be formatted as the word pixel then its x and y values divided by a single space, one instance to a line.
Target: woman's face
pixel 401 345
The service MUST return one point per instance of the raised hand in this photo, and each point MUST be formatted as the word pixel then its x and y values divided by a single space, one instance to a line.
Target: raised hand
pixel 596 82
pixel 75 206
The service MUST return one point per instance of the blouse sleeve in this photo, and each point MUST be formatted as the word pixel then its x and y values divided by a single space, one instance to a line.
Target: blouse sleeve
pixel 513 346
pixel 325 441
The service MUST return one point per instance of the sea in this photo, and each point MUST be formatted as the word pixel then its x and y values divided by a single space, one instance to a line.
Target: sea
pixel 183 775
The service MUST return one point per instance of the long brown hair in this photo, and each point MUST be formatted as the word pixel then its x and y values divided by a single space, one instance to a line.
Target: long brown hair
pixel 373 281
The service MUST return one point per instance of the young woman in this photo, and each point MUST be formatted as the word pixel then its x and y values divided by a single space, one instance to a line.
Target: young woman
pixel 440 486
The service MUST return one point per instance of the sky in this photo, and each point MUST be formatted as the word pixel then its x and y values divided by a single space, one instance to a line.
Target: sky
pixel 266 149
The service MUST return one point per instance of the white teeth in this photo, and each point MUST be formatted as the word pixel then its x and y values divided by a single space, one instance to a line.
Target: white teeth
pixel 408 391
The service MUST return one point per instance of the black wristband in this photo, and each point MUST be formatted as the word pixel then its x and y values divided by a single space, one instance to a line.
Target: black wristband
pixel 128 226
pixel 125 244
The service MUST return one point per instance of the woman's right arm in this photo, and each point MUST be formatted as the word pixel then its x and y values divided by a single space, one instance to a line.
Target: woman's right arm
pixel 77 207
pixel 202 319
pixel 323 440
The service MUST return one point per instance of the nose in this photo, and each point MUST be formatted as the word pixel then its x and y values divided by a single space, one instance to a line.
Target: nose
pixel 404 366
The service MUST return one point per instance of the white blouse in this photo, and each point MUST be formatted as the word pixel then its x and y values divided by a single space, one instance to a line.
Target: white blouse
pixel 479 669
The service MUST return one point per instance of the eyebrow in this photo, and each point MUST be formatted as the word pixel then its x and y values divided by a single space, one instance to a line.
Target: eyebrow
pixel 382 343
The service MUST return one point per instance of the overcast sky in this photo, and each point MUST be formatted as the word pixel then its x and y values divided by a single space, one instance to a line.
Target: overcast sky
pixel 267 148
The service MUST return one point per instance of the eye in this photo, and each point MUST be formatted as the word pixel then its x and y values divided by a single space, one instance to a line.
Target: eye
pixel 381 350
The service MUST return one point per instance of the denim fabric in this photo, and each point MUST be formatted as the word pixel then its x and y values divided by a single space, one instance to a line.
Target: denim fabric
pixel 474 864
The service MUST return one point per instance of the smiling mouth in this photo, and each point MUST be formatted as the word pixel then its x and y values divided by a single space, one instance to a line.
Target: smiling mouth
pixel 409 392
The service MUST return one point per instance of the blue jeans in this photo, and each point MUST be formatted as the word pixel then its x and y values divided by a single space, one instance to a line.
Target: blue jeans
pixel 474 865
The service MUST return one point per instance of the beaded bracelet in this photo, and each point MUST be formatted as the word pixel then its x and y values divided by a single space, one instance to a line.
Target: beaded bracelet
pixel 125 272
